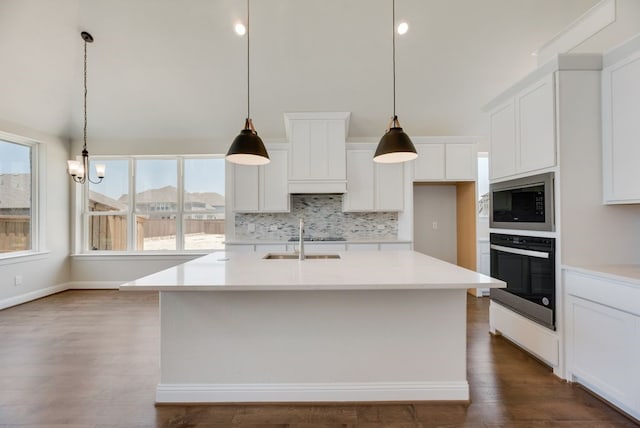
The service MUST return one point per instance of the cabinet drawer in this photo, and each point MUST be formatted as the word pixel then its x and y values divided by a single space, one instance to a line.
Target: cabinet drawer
pixel 616 294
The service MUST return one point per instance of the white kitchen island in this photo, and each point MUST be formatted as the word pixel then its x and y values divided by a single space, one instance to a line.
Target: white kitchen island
pixel 370 326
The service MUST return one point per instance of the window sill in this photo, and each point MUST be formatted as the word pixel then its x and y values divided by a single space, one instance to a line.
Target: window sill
pixel 23 257
pixel 124 256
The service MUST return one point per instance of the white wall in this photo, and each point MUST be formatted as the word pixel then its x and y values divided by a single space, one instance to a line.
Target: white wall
pixel 435 203
pixel 592 233
pixel 51 269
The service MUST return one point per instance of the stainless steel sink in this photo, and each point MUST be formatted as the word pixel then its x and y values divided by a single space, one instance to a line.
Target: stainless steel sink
pixel 292 256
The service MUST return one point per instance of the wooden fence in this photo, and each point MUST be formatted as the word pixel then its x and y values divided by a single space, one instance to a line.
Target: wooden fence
pixel 164 227
pixel 109 232
pixel 15 231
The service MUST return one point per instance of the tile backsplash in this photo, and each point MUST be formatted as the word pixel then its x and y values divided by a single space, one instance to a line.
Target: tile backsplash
pixel 323 218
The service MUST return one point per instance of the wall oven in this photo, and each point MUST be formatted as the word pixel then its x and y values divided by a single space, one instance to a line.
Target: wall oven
pixel 527 264
pixel 525 203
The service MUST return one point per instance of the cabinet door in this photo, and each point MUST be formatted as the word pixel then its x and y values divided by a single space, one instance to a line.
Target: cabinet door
pixel 360 167
pixel 601 349
pixel 537 130
pixel 429 166
pixel 246 188
pixel 502 160
pixel 274 196
pixel 240 248
pixel 396 246
pixel 461 161
pixel 620 131
pixel 389 180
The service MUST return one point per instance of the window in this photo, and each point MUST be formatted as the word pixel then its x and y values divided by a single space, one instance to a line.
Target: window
pixel 17 178
pixel 157 204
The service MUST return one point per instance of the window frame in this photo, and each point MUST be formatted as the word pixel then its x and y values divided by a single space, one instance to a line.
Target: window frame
pixel 131 212
pixel 36 237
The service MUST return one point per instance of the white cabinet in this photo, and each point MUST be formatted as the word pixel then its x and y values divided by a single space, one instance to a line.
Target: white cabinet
pixel 372 186
pixel 395 246
pixel 522 131
pixel 274 183
pixel 429 166
pixel 603 337
pixel 536 126
pixel 445 161
pixel 317 156
pixel 461 162
pixel 262 188
pixel 502 134
pixel 360 172
pixel 246 188
pixel 620 130
pixel 240 248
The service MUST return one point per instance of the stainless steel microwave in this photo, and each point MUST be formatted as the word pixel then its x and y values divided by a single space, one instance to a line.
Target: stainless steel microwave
pixel 524 203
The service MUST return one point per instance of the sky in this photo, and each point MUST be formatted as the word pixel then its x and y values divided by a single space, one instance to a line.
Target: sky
pixel 14 158
pixel 200 175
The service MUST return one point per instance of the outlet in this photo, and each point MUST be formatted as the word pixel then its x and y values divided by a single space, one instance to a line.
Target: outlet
pixel 251 227
pixel 434 225
pixel 273 228
pixel 17 280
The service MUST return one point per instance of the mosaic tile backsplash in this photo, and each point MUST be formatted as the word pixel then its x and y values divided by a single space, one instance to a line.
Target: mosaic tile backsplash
pixel 323 218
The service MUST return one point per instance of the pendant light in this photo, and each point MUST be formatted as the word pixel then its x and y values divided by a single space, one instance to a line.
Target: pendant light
pixel 395 146
pixel 79 170
pixel 248 148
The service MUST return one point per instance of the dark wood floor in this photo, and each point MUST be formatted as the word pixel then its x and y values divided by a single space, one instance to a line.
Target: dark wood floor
pixel 90 359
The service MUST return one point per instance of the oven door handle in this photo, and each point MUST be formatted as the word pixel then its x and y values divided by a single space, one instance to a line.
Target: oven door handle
pixel 530 253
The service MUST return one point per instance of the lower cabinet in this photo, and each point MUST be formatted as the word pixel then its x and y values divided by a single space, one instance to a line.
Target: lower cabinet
pixel 603 337
pixel 318 247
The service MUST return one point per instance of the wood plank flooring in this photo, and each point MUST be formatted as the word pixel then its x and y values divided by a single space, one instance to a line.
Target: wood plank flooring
pixel 83 359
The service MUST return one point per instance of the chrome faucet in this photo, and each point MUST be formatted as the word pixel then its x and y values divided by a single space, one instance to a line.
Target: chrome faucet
pixel 301 244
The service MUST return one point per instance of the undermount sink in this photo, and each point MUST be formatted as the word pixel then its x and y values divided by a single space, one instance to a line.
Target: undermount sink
pixel 292 256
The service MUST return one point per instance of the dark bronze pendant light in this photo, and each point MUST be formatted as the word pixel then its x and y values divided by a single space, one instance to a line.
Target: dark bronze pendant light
pixel 79 170
pixel 395 145
pixel 248 148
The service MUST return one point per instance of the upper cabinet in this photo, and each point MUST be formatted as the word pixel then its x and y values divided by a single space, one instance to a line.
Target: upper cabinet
pixel 317 155
pixel 445 159
pixel 372 186
pixel 621 127
pixel 262 188
pixel 522 130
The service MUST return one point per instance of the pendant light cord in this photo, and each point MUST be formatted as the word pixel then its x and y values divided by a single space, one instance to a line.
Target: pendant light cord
pixel 393 30
pixel 248 66
pixel 85 97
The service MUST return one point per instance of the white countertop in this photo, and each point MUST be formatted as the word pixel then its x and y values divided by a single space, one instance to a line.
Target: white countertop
pixel 627 273
pixel 360 270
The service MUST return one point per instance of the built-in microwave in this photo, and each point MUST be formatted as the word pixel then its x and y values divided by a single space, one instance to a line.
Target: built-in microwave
pixel 524 203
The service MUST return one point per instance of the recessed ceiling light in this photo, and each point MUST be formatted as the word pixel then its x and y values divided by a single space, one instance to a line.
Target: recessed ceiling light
pixel 241 30
pixel 403 27
pixel 534 53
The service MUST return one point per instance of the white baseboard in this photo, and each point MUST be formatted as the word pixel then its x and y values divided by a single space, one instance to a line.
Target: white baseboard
pixel 74 285
pixel 32 295
pixel 95 285
pixel 302 392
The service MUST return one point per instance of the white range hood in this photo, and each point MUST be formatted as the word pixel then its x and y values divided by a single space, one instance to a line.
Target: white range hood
pixel 317 158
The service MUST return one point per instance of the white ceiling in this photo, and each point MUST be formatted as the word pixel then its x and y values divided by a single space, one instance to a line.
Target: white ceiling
pixel 176 70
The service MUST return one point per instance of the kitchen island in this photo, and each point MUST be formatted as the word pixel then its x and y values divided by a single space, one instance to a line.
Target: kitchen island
pixel 369 326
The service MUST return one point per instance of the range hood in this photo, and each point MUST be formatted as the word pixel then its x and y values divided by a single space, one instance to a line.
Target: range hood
pixel 317 158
